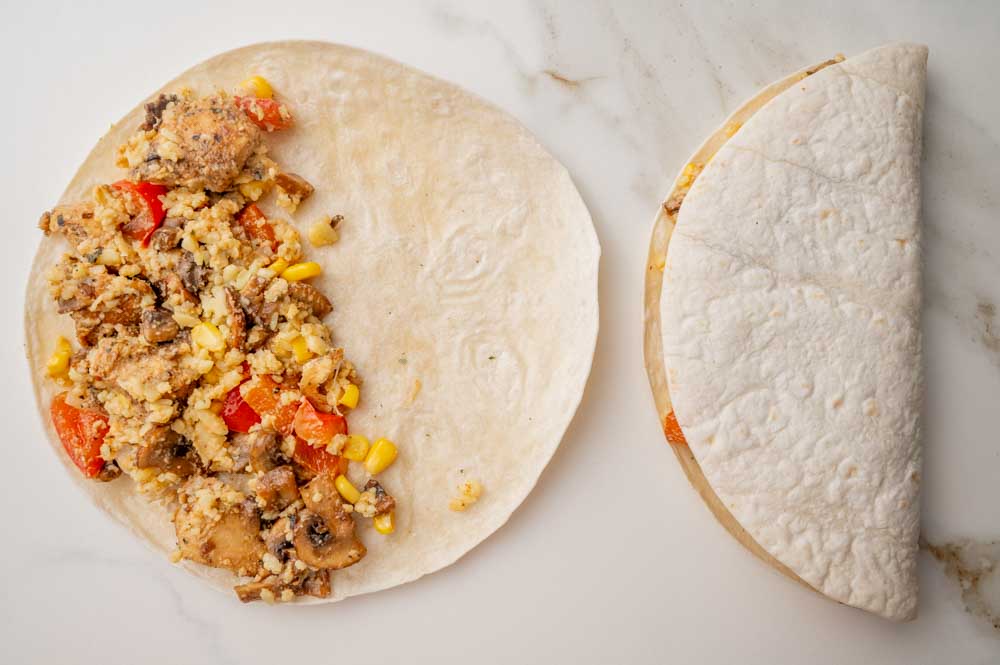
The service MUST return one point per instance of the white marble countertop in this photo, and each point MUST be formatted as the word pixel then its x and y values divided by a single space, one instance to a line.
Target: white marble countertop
pixel 621 93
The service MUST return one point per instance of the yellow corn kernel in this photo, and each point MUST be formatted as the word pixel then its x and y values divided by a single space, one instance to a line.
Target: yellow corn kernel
pixel 301 349
pixel 300 271
pixel 324 232
pixel 258 86
pixel 350 396
pixel 357 447
pixel 278 266
pixel 58 364
pixel 382 454
pixel 347 490
pixel 385 523
pixel 207 335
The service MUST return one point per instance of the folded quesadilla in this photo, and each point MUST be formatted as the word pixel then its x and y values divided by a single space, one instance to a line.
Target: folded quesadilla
pixel 783 325
pixel 297 320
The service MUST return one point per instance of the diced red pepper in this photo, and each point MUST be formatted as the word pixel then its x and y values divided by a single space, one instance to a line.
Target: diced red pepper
pixel 81 432
pixel 265 399
pixel 673 430
pixel 147 194
pixel 317 428
pixel 268 114
pixel 318 460
pixel 237 413
pixel 253 221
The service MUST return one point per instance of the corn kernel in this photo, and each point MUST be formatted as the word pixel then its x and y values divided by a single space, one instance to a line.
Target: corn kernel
pixel 258 86
pixel 301 349
pixel 385 523
pixel 58 364
pixel 357 448
pixel 278 266
pixel 346 489
pixel 350 396
pixel 383 453
pixel 207 335
pixel 300 271
pixel 324 232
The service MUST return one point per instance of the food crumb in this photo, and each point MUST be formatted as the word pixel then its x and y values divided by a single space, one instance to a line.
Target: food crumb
pixel 469 493
pixel 415 390
pixel 325 231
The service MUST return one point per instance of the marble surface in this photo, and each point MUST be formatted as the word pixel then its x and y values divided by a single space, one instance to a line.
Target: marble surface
pixel 613 558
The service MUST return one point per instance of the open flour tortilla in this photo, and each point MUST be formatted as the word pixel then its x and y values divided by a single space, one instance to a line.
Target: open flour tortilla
pixel 467 262
pixel 788 326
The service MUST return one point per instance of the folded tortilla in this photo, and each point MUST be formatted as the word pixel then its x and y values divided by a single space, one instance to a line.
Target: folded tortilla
pixel 464 289
pixel 783 335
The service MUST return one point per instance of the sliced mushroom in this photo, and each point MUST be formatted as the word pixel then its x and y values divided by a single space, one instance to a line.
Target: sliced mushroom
pixel 261 312
pixel 276 489
pixel 158 325
pixel 311 297
pixel 257 337
pixel 171 284
pixel 233 541
pixel 383 500
pixel 317 583
pixel 193 276
pixel 278 539
pixel 168 236
pixel 154 110
pixel 265 451
pixel 169 452
pixel 251 590
pixel 237 320
pixel 109 472
pixel 294 185
pixel 324 535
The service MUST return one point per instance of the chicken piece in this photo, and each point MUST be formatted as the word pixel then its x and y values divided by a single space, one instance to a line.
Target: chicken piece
pixel 230 540
pixel 237 320
pixel 132 365
pixel 311 297
pixel 276 489
pixel 199 143
pixel 324 535
pixel 158 325
pixel 75 221
pixel 169 452
pixel 97 317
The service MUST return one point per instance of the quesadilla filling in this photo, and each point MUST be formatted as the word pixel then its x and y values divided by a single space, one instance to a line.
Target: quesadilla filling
pixel 204 370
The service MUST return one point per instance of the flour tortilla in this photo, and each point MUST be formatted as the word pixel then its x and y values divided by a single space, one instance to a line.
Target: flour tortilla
pixel 790 328
pixel 467 262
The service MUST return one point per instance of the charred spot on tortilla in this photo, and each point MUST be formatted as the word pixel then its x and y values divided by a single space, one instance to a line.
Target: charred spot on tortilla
pixel 199 344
